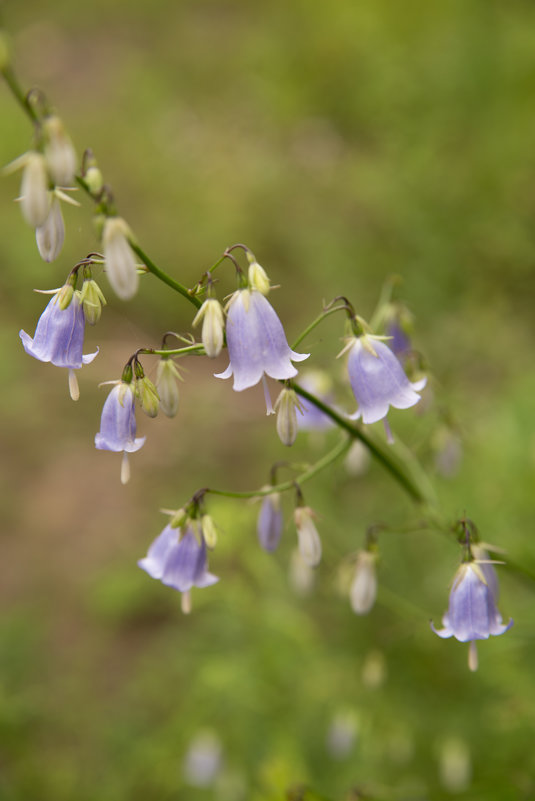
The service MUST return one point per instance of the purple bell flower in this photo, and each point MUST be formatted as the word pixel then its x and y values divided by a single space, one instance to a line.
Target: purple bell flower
pixel 118 426
pixel 178 561
pixel 269 526
pixel 472 613
pixel 59 337
pixel 256 342
pixel 378 380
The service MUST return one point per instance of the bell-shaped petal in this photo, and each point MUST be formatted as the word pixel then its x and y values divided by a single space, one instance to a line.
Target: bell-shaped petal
pixel 269 526
pixel 118 422
pixel 186 564
pixel 59 336
pixel 256 341
pixel 472 613
pixel 154 561
pixel 378 380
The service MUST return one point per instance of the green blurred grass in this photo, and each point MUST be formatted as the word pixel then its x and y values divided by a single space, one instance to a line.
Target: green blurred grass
pixel 342 143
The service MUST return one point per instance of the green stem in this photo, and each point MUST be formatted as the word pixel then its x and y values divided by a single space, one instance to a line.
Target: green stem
pixel 320 465
pixel 197 348
pixel 152 268
pixel 314 323
pixel 18 94
pixel 419 490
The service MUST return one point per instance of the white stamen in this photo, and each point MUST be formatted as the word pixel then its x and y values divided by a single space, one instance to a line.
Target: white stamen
pixel 185 602
pixel 125 469
pixel 388 431
pixel 74 389
pixel 267 397
pixel 473 661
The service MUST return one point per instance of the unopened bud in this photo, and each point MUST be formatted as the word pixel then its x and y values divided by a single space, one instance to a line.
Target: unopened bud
pixel 363 591
pixel 286 405
pixel 94 180
pixel 51 234
pixel 213 324
pixel 35 197
pixel 301 575
pixel 120 263
pixel 258 278
pixel 307 536
pixel 148 397
pixel 92 300
pixel 59 152
pixel 209 531
pixel 65 296
pixel 269 525
pixel 358 459
pixel 167 375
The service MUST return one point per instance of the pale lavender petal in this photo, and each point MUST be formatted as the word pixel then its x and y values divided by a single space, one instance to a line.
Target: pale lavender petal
pixel 186 564
pixel 154 561
pixel 256 342
pixel 269 526
pixel 118 422
pixel 379 381
pixel 59 336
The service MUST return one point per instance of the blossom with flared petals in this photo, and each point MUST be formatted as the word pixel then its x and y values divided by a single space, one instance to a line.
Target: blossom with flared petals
pixel 269 525
pixel 378 380
pixel 472 613
pixel 118 422
pixel 178 560
pixel 256 341
pixel 59 337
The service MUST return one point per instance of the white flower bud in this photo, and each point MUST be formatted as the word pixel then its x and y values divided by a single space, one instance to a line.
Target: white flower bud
pixel 50 236
pixel 301 575
pixel 455 766
pixel 286 405
pixel 94 180
pixel 258 278
pixel 358 459
pixel 166 378
pixel 147 395
pixel 93 300
pixel 308 539
pixel 211 313
pixel 59 152
pixel 363 591
pixel 119 258
pixel 35 197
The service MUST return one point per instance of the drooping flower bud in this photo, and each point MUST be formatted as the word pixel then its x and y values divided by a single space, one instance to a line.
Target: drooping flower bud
pixel 51 234
pixel 119 258
pixel 92 300
pixel 94 180
pixel 209 531
pixel 147 395
pixel 59 152
pixel 213 325
pixel 308 538
pixel 167 374
pixel 269 526
pixel 285 406
pixel 65 296
pixel 257 276
pixel 35 197
pixel 301 575
pixel 358 459
pixel 179 518
pixel 363 591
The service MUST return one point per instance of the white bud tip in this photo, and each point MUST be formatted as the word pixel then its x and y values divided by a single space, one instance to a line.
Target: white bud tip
pixel 125 469
pixel 74 389
pixel 473 661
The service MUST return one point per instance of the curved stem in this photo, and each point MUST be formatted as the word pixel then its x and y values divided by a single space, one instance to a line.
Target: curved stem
pixel 320 465
pixel 155 270
pixel 197 348
pixel 419 490
pixel 316 322
pixel 18 94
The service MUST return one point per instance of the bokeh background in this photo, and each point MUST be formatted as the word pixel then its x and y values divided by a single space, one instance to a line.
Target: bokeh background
pixel 343 143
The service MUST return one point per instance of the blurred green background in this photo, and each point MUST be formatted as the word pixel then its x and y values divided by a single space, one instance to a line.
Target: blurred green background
pixel 343 143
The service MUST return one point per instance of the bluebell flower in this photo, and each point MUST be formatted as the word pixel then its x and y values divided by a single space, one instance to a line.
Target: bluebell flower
pixel 269 525
pixel 59 336
pixel 118 426
pixel 179 560
pixel 256 342
pixel 472 613
pixel 378 380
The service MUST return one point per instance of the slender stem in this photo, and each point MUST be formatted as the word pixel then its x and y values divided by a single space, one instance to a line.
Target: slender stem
pixel 314 323
pixel 320 465
pixel 416 488
pixel 197 348
pixel 18 94
pixel 152 268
